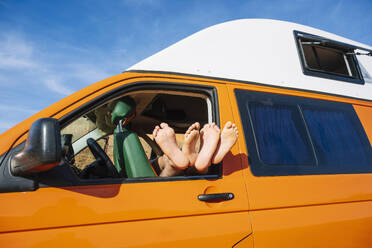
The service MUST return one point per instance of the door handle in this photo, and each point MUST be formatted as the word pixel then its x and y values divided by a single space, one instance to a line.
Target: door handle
pixel 216 197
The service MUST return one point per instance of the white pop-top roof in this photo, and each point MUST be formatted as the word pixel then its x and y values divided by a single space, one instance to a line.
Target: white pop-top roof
pixel 253 50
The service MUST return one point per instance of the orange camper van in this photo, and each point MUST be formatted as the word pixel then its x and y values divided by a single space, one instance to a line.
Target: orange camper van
pixel 300 174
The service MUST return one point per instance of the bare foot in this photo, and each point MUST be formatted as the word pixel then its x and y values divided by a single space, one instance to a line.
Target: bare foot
pixel 191 137
pixel 229 136
pixel 167 167
pixel 209 137
pixel 166 139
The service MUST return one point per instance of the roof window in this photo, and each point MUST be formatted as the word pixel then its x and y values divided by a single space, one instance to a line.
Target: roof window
pixel 325 58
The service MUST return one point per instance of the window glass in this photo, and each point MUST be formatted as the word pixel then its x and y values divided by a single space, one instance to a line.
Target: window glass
pixel 335 137
pixel 79 128
pixel 146 146
pixel 310 58
pixel 139 152
pixel 333 60
pixel 326 58
pixel 290 135
pixel 85 156
pixel 280 134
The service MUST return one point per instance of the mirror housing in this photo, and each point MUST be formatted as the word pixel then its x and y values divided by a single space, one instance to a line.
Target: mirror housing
pixel 42 150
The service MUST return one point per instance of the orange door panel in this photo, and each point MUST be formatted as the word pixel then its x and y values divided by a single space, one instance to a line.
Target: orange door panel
pixel 190 231
pixel 329 225
pixel 142 214
pixel 309 210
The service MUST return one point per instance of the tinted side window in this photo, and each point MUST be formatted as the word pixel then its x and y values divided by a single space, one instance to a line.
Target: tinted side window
pixel 288 135
pixel 280 135
pixel 336 137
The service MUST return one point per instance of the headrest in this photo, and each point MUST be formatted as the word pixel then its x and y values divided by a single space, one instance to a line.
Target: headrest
pixel 123 109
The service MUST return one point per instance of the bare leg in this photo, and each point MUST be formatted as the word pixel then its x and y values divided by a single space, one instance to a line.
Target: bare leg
pixel 167 167
pixel 229 136
pixel 209 137
pixel 166 139
pixel 191 137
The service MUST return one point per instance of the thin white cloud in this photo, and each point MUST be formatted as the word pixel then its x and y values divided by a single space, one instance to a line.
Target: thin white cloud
pixel 336 11
pixel 88 73
pixel 18 54
pixel 17 109
pixel 56 87
pixel 15 53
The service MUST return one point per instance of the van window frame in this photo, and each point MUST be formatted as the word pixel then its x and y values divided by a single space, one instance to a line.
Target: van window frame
pixel 331 44
pixel 51 178
pixel 259 168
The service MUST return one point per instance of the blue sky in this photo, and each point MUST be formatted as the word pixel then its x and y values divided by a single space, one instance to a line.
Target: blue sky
pixel 49 49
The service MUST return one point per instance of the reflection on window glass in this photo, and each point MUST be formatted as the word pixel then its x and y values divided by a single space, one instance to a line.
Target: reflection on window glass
pixel 79 128
pixel 85 156
pixel 284 132
pixel 335 137
pixel 280 135
pixel 333 61
pixel 326 59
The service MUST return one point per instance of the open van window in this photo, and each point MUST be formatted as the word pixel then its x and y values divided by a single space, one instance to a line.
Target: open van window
pixel 152 107
pixel 326 58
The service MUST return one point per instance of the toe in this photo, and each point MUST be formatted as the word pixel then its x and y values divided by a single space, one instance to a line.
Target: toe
pixel 155 132
pixel 235 128
pixel 206 126
pixel 187 134
pixel 193 133
pixel 228 124
pixel 197 125
pixel 193 126
pixel 188 131
pixel 163 125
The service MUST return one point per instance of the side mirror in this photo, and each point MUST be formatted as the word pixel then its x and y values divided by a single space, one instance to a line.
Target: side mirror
pixel 42 150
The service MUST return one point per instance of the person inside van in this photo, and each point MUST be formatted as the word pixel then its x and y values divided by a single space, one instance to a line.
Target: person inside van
pixel 214 145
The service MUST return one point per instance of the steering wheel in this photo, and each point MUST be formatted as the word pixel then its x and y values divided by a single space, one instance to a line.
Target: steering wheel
pixel 102 167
